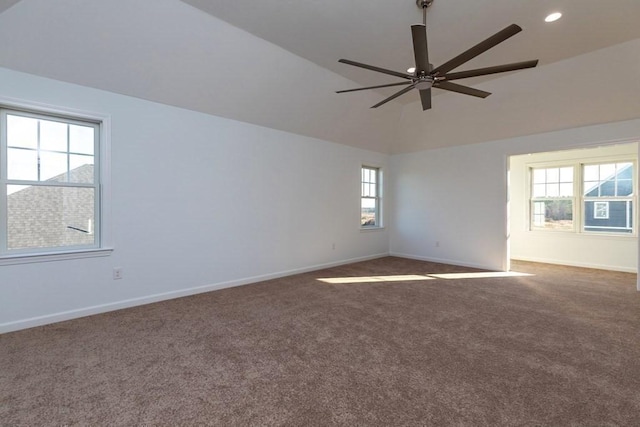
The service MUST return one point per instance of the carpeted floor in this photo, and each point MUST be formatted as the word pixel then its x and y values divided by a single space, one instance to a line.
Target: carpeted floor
pixel 560 347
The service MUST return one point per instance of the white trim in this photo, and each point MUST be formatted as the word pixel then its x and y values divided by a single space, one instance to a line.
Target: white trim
pixel 22 104
pixel 577 264
pixel 54 256
pixel 572 235
pixel 527 259
pixel 365 229
pixel 133 302
pixel 444 261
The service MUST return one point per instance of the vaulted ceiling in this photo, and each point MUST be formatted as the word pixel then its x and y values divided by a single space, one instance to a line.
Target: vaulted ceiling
pixel 275 63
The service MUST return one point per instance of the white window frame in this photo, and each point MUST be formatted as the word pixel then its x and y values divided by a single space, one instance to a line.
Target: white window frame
pixel 102 184
pixel 377 198
pixel 607 199
pixel 533 201
pixel 579 197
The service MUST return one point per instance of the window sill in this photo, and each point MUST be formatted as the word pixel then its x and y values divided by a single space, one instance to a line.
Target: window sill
pixel 48 257
pixel 366 229
pixel 583 234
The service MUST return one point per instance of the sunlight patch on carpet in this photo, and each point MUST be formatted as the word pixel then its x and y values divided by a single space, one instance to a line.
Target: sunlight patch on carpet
pixel 419 277
pixel 480 275
pixel 371 279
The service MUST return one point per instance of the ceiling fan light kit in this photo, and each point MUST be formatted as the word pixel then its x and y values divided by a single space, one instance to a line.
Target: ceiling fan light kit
pixel 425 76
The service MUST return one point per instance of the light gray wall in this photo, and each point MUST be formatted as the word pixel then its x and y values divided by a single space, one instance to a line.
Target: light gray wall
pixel 198 202
pixel 448 206
pixel 458 196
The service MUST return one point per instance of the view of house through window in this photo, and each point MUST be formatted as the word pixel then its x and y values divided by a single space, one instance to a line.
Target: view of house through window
pixel 49 186
pixel 606 197
pixel 370 197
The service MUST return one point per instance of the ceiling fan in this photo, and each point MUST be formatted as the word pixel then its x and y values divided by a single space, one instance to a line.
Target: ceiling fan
pixel 425 76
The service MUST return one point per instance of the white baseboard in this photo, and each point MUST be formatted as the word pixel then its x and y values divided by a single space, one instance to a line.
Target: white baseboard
pixel 443 261
pixel 103 308
pixel 577 264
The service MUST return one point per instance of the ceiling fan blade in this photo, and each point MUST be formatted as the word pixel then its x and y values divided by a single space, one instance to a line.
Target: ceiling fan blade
pixel 420 49
pixel 374 87
pixel 453 87
pixel 481 47
pixel 394 96
pixel 378 69
pixel 491 70
pixel 425 97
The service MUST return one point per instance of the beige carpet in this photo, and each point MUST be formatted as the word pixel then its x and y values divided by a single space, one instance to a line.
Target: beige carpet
pixel 559 348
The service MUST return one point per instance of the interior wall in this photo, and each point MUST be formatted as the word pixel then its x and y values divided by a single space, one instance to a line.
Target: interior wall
pixel 447 206
pixel 198 203
pixel 457 197
pixel 578 249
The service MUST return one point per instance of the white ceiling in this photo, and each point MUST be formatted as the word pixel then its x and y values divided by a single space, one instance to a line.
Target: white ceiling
pixel 377 32
pixel 6 4
pixel 275 63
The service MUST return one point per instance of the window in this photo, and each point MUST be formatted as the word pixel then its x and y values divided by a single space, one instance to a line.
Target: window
pixel 601 210
pixel 49 183
pixel 608 197
pixel 600 198
pixel 552 198
pixel 370 197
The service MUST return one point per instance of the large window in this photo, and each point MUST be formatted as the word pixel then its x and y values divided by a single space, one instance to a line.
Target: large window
pixel 597 197
pixel 49 183
pixel 370 197
pixel 608 197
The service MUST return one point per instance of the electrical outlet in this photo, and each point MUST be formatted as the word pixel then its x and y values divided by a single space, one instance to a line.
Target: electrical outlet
pixel 437 243
pixel 117 273
pixel 333 246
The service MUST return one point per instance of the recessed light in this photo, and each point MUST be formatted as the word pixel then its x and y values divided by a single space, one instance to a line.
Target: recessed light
pixel 411 70
pixel 553 17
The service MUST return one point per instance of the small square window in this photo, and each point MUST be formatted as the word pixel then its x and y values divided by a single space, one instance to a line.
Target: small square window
pixel 601 210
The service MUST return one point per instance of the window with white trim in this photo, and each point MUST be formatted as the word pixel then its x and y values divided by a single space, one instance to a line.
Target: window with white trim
pixel 49 183
pixel 370 197
pixel 596 197
pixel 608 197
pixel 552 198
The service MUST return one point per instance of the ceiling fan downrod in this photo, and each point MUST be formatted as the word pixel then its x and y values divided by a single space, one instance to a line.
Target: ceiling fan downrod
pixel 424 4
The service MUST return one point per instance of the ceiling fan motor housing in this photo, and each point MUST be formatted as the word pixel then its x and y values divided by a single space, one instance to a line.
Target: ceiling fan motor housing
pixel 423 3
pixel 424 82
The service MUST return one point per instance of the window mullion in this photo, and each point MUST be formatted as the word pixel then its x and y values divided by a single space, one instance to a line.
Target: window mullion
pixel 578 196
pixel 68 153
pixel 38 149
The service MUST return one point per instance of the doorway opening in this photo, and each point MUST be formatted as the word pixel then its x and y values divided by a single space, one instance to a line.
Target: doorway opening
pixel 575 207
